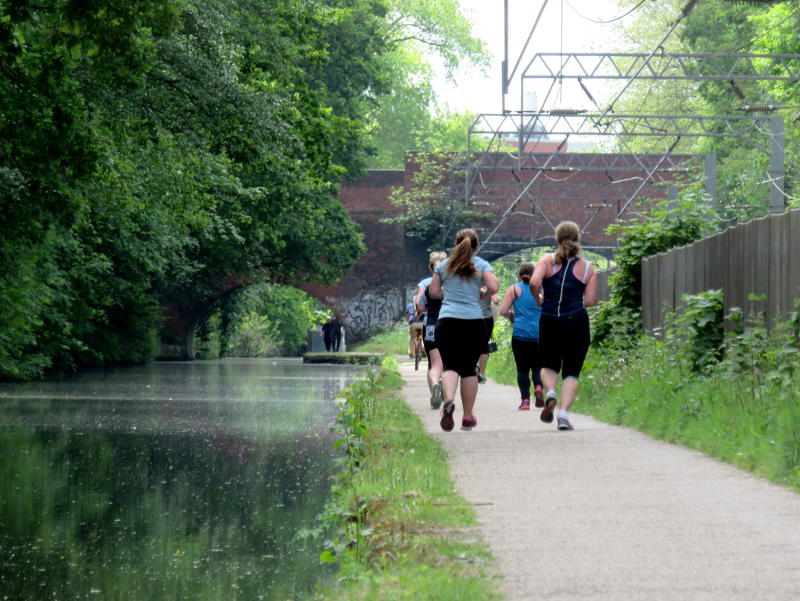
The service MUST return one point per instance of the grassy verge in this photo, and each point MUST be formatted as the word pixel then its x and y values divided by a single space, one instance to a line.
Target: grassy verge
pixel 395 524
pixel 392 341
pixel 744 413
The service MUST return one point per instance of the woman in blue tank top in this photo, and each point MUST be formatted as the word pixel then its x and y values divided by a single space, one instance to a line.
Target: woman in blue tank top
pixel 523 311
pixel 567 284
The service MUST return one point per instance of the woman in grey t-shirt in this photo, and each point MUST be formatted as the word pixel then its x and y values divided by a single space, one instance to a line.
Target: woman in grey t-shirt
pixel 460 331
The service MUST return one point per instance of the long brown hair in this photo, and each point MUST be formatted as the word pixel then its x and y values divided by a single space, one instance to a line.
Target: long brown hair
pixel 460 261
pixel 568 235
pixel 525 272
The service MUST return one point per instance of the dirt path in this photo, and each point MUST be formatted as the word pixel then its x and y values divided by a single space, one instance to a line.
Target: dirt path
pixel 606 513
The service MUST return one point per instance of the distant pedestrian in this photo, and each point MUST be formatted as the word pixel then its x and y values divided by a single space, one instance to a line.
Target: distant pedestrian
pixel 568 284
pixel 336 334
pixel 327 333
pixel 523 311
pixel 460 331
pixel 429 307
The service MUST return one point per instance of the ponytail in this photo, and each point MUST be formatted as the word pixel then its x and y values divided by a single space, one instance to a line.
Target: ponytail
pixel 567 236
pixel 460 261
pixel 525 272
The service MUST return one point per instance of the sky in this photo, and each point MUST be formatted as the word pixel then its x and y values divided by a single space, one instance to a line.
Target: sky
pixel 572 33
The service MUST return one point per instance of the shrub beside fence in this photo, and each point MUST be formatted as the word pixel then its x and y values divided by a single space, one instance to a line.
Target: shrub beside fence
pixel 761 257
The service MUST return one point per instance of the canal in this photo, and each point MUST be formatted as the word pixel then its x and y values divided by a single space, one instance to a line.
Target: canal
pixel 169 481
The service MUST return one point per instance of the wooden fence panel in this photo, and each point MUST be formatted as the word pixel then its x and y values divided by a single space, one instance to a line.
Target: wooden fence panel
pixel 760 257
pixel 778 293
pixel 735 281
pixel 793 252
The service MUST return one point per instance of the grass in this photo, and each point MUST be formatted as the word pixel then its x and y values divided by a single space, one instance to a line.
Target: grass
pixel 399 529
pixel 749 418
pixel 392 341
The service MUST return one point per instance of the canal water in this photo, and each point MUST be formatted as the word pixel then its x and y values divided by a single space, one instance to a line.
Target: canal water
pixel 172 481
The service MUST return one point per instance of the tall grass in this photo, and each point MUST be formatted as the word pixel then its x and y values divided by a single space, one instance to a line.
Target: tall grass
pixel 391 341
pixel 396 525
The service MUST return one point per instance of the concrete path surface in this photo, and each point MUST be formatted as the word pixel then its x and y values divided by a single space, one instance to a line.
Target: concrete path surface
pixel 606 513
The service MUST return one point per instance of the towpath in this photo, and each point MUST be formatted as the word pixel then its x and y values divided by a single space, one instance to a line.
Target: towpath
pixel 606 513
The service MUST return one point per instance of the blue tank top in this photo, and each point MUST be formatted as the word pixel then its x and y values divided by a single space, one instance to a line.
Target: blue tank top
pixel 526 315
pixel 563 292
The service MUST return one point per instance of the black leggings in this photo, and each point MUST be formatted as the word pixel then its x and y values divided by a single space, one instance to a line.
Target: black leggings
pixel 526 356
pixel 460 342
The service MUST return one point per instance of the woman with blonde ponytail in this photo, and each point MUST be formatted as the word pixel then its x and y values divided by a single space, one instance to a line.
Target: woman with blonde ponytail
pixel 460 332
pixel 567 284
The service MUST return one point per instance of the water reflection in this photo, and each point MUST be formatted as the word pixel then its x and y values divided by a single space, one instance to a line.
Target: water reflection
pixel 172 481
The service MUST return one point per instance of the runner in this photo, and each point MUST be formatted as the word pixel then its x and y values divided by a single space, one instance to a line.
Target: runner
pixel 430 310
pixel 460 331
pixel 567 285
pixel 521 309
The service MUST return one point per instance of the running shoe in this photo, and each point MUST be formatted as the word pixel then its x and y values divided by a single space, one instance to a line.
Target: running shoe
pixel 467 423
pixel 537 394
pixel 481 379
pixel 525 405
pixel 446 422
pixel 549 405
pixel 436 396
pixel 563 424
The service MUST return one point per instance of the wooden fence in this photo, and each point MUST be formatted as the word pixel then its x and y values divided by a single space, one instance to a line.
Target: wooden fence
pixel 760 257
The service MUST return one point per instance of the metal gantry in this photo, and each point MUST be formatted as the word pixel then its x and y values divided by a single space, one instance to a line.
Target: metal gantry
pixel 521 129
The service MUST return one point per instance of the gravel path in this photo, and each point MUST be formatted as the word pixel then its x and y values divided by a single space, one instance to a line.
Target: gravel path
pixel 606 513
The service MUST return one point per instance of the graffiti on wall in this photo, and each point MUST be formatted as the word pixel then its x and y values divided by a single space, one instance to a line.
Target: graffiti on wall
pixel 372 312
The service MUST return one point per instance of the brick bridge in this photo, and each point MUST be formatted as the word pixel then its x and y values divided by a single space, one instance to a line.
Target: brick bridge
pixel 524 199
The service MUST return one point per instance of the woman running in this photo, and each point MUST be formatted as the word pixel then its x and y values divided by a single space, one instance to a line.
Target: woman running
pixel 568 284
pixel 430 310
pixel 523 311
pixel 460 332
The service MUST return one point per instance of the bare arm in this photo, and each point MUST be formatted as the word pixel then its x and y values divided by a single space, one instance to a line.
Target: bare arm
pixel 508 303
pixel 539 274
pixel 418 300
pixel 590 292
pixel 435 288
pixel 491 282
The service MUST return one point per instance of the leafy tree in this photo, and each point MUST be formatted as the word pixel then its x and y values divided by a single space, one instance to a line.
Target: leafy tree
pixel 148 151
pixel 406 118
pixel 669 225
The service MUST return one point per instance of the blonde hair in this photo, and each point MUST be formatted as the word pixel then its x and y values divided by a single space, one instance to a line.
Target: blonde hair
pixel 568 235
pixel 525 271
pixel 460 262
pixel 435 258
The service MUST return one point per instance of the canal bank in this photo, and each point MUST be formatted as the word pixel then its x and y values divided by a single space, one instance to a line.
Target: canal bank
pixel 607 513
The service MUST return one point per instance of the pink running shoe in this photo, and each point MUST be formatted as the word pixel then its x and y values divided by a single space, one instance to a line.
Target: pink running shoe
pixel 467 423
pixel 525 405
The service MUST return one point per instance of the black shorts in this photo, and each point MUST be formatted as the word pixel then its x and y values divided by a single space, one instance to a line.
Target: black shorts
pixel 460 342
pixel 488 323
pixel 564 342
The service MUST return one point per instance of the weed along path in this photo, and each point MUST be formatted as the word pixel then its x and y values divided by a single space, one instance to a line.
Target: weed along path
pixel 607 513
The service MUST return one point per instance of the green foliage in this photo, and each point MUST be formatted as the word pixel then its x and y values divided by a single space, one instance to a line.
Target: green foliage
pixel 697 330
pixel 149 151
pixel 431 211
pixel 259 320
pixel 395 523
pixel 670 224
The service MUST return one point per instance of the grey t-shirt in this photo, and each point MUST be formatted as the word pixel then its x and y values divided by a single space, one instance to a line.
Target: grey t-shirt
pixel 461 297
